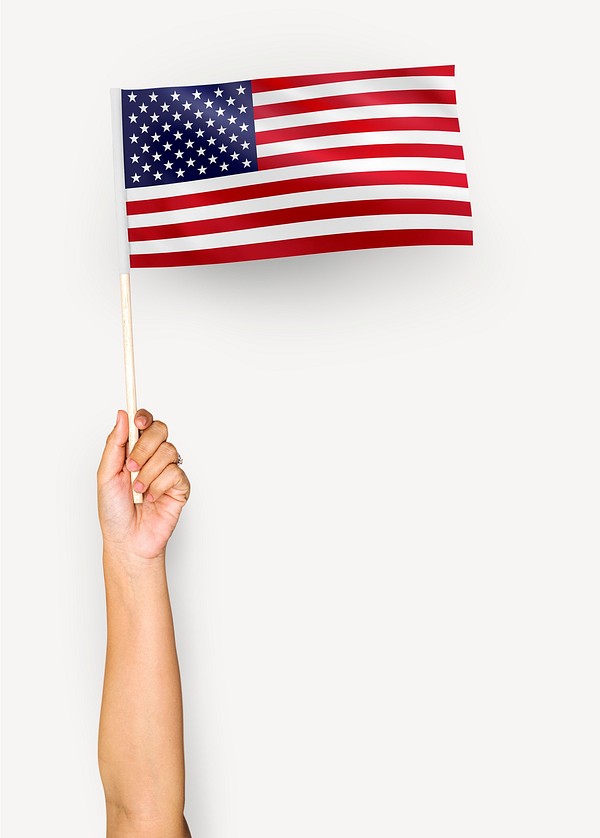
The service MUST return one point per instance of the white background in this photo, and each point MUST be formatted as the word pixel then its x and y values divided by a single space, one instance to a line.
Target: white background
pixel 385 584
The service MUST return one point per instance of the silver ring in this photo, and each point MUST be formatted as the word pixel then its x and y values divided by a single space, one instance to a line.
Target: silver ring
pixel 179 459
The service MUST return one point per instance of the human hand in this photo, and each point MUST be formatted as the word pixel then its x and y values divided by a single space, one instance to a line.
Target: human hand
pixel 140 530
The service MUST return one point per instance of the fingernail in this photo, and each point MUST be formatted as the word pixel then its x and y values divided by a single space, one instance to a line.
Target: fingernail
pixel 138 486
pixel 132 465
pixel 117 419
pixel 141 420
pixel 148 497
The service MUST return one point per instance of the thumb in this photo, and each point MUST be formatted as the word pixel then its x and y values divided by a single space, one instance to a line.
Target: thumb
pixel 113 456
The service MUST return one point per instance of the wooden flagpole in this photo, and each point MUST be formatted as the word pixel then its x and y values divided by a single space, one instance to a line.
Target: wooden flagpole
pixel 129 372
pixel 123 241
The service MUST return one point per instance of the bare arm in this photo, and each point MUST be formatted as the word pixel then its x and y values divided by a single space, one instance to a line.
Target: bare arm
pixel 140 745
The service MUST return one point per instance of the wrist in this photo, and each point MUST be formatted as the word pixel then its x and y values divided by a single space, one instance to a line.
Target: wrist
pixel 117 559
pixel 136 586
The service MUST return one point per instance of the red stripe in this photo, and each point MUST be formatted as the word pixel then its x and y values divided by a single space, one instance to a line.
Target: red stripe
pixel 294 215
pixel 302 247
pixel 325 155
pixel 357 126
pixel 264 85
pixel 356 100
pixel 289 187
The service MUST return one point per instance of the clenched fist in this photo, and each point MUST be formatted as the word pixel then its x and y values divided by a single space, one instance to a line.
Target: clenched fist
pixel 140 530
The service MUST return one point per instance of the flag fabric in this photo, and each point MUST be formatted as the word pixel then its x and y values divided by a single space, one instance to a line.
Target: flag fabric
pixel 291 166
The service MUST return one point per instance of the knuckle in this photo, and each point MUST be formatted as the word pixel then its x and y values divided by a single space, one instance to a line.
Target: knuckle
pixel 183 480
pixel 170 450
pixel 160 426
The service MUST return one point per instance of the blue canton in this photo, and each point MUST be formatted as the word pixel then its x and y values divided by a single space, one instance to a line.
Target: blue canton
pixel 173 135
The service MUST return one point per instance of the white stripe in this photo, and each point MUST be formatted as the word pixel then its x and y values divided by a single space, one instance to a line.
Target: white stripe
pixel 301 199
pixel 344 88
pixel 306 228
pixel 385 164
pixel 366 138
pixel 364 112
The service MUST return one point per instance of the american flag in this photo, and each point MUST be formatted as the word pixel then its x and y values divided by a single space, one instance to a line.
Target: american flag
pixel 290 166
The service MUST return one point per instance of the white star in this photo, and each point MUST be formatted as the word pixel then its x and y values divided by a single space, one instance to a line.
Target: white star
pixel 187 106
pixel 202 170
pixel 218 92
pixel 224 166
pixel 243 126
pixel 211 141
pixel 245 145
pixel 165 106
pixel 133 138
pixel 221 130
pixel 167 146
pixel 175 96
pixel 231 101
pixel 222 148
pixel 179 154
pixel 176 115
pixel 178 135
pixel 146 167
pixel 144 128
pixel 135 158
pixel 220 111
pixel 143 108
pixel 155 137
pixel 168 164
pixel 190 162
pixel 233 138
pixel 197 95
pixel 208 104
pixel 235 155
pixel 179 172
pixel 133 118
pixel 153 97
pixel 145 148
pixel 242 109
pixel 212 159
pixel 198 114
pixel 132 97
pixel 156 156
pixel 135 178
pixel 188 125
pixel 199 132
pixel 232 119
pixel 189 144
pixel 201 151
pixel 157 175
pixel 241 89
pixel 166 127
pixel 154 117
pixel 246 164
pixel 210 122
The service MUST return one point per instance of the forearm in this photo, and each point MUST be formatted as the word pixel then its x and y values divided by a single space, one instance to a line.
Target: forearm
pixel 141 725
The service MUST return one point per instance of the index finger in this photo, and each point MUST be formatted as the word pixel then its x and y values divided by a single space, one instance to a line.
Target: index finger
pixel 143 419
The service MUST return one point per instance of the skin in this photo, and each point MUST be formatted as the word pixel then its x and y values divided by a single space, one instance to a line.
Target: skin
pixel 140 746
